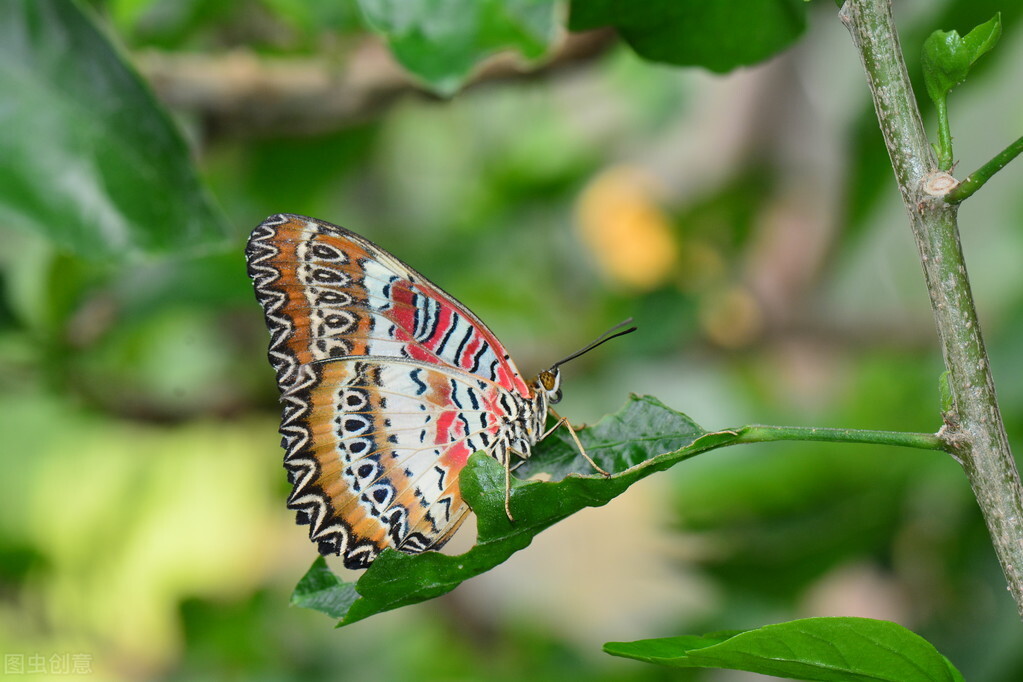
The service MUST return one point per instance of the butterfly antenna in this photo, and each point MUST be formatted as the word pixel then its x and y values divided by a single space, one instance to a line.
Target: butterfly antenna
pixel 611 333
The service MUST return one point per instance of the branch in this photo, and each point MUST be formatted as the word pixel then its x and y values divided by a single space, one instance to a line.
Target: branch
pixel 977 178
pixel 241 94
pixel 973 424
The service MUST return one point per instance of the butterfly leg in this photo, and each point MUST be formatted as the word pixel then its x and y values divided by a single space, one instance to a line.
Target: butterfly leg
pixel 561 421
pixel 575 437
pixel 507 481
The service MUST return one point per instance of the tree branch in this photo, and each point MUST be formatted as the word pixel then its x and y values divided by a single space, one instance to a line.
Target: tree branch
pixel 241 94
pixel 979 177
pixel 973 424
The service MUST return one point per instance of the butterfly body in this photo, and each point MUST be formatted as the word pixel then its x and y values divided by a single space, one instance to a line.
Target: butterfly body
pixel 388 384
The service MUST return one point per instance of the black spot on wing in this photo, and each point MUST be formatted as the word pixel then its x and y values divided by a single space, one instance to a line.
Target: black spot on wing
pixel 420 385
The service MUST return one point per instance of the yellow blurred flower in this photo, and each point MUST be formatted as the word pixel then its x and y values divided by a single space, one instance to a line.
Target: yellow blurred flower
pixel 626 231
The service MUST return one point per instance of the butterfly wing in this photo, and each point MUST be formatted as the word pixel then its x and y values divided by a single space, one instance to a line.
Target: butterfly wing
pixel 388 385
pixel 329 293
pixel 386 442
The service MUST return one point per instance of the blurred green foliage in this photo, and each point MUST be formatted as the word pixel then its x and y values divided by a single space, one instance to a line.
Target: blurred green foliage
pixel 142 518
pixel 717 36
pixel 441 41
pixel 86 144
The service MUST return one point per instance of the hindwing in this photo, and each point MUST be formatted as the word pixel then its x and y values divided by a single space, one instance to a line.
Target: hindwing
pixel 382 444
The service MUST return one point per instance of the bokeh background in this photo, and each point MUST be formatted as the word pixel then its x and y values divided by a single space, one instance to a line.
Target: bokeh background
pixel 749 222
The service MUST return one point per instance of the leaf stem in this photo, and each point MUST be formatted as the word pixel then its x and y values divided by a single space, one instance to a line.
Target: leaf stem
pixel 760 433
pixel 977 178
pixel 973 427
pixel 944 147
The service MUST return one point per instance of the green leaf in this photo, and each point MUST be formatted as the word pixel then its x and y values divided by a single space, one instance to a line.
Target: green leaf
pixel 440 41
pixel 644 437
pixel 947 57
pixel 719 36
pixel 90 161
pixel 321 590
pixel 946 61
pixel 827 649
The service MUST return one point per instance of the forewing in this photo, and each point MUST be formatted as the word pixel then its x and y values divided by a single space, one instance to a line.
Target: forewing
pixel 329 293
pixel 374 449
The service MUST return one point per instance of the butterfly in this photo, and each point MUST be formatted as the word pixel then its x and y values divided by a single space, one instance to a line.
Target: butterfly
pixel 388 385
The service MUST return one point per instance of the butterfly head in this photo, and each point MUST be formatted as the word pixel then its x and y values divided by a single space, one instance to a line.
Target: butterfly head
pixel 549 381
